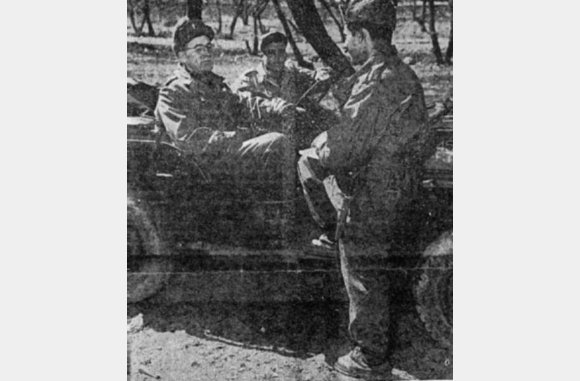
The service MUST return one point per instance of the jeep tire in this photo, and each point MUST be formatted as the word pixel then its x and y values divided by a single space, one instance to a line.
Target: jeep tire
pixel 148 268
pixel 434 290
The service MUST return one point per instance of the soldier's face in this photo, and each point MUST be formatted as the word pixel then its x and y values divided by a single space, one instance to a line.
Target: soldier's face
pixel 355 46
pixel 275 56
pixel 197 55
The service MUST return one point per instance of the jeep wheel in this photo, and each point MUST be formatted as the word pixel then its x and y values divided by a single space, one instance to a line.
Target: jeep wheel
pixel 148 269
pixel 434 290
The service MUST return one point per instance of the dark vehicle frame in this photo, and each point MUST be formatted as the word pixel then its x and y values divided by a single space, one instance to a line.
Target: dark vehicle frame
pixel 192 237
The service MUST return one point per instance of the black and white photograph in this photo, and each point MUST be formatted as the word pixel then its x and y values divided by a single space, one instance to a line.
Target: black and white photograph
pixel 289 190
pixel 281 175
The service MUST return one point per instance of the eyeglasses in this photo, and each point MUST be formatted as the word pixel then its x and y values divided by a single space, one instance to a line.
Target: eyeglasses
pixel 274 52
pixel 201 48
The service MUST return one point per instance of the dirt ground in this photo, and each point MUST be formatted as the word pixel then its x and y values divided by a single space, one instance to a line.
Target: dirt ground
pixel 263 342
pixel 268 342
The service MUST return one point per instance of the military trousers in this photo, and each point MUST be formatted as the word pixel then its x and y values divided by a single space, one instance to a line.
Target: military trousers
pixel 321 192
pixel 250 160
pixel 369 292
pixel 375 231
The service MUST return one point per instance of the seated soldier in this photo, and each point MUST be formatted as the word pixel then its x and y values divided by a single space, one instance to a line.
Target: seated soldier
pixel 202 116
pixel 276 77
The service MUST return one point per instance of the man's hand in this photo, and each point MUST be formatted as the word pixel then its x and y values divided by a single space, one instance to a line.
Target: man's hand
pixel 280 107
pixel 319 141
pixel 322 74
pixel 220 136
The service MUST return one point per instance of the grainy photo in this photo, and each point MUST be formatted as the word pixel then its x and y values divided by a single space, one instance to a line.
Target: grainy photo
pixel 289 190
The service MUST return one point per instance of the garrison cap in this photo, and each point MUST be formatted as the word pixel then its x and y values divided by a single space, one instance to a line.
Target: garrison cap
pixel 271 38
pixel 378 12
pixel 186 30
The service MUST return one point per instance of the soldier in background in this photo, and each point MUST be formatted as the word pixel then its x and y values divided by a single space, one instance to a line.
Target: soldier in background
pixel 375 158
pixel 276 77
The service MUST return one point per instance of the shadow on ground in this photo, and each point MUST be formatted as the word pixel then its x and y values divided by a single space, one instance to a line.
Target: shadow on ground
pixel 293 329
pixel 298 330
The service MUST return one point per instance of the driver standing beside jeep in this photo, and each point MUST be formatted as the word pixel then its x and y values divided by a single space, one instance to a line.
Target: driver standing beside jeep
pixel 375 155
pixel 202 116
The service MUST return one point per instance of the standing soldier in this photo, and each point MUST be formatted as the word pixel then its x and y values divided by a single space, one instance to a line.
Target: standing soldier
pixel 374 154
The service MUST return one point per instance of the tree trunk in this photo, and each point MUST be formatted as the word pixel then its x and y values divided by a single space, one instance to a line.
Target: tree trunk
pixel 419 20
pixel 291 23
pixel 295 49
pixel 424 16
pixel 449 52
pixel 219 11
pixel 306 16
pixel 147 13
pixel 194 8
pixel 133 18
pixel 261 7
pixel 256 43
pixel 433 33
pixel 237 14
pixel 245 13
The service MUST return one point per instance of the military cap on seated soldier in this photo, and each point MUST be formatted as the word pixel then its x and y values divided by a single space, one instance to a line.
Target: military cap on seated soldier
pixel 186 30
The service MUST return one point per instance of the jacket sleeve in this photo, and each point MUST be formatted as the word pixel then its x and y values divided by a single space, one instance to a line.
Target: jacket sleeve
pixel 181 124
pixel 304 78
pixel 350 143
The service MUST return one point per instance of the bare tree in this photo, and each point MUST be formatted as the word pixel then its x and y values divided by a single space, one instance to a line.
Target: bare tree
pixel 433 33
pixel 256 12
pixel 420 20
pixel 219 12
pixel 237 13
pixel 308 20
pixel 140 8
pixel 449 52
pixel 299 58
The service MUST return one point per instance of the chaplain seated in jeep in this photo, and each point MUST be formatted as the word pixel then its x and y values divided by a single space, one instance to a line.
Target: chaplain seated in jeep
pixel 220 130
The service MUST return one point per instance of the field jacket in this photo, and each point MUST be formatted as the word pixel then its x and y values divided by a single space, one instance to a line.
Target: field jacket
pixel 258 82
pixel 194 107
pixel 385 165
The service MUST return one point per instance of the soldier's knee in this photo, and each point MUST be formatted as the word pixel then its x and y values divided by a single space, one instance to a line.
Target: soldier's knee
pixel 278 137
pixel 279 142
pixel 303 168
pixel 303 164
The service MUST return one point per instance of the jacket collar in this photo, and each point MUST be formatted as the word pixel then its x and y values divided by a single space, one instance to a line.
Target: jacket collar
pixel 209 78
pixel 383 56
pixel 383 52
pixel 265 76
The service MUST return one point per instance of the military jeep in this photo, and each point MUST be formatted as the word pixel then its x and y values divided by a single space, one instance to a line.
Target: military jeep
pixel 192 237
